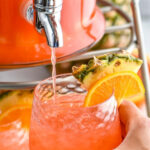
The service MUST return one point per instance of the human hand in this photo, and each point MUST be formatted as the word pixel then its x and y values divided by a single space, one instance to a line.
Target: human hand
pixel 137 127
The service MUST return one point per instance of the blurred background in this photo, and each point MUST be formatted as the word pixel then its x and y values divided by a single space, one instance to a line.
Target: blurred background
pixel 145 13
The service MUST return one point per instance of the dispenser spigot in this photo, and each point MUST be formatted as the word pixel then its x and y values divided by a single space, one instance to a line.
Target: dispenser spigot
pixel 48 14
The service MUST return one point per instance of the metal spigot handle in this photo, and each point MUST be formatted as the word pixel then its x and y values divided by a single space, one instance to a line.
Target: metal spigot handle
pixel 48 14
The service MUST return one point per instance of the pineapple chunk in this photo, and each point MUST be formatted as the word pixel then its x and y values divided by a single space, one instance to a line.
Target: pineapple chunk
pixel 101 66
pixel 10 99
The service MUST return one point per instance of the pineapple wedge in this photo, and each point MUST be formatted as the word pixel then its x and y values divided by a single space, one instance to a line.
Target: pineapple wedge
pixel 9 99
pixel 101 66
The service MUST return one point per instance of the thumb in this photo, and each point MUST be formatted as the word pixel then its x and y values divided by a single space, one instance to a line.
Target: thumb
pixel 129 113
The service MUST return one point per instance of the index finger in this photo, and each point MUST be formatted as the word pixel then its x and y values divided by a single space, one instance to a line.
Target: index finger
pixel 129 113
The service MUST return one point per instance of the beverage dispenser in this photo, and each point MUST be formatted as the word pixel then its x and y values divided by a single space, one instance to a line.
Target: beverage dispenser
pixel 29 28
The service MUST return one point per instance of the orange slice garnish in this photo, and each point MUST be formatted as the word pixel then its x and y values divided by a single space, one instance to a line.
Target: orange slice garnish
pixel 19 114
pixel 124 85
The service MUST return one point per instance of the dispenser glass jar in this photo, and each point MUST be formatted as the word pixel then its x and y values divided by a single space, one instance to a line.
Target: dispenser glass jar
pixel 21 45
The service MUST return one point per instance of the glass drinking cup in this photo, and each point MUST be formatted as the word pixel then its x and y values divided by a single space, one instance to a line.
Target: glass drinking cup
pixel 64 123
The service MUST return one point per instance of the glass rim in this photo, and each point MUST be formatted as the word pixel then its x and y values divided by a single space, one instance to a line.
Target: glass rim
pixel 47 79
pixel 36 93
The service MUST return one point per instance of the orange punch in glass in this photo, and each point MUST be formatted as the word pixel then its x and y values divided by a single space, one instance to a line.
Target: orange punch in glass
pixel 65 124
pixel 15 114
pixel 14 129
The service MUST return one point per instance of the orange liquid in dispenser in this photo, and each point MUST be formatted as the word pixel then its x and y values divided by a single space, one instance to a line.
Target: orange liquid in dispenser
pixel 20 43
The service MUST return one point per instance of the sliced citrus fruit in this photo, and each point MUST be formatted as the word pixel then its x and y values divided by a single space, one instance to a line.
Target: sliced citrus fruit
pixel 9 99
pixel 19 115
pixel 101 66
pixel 124 85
